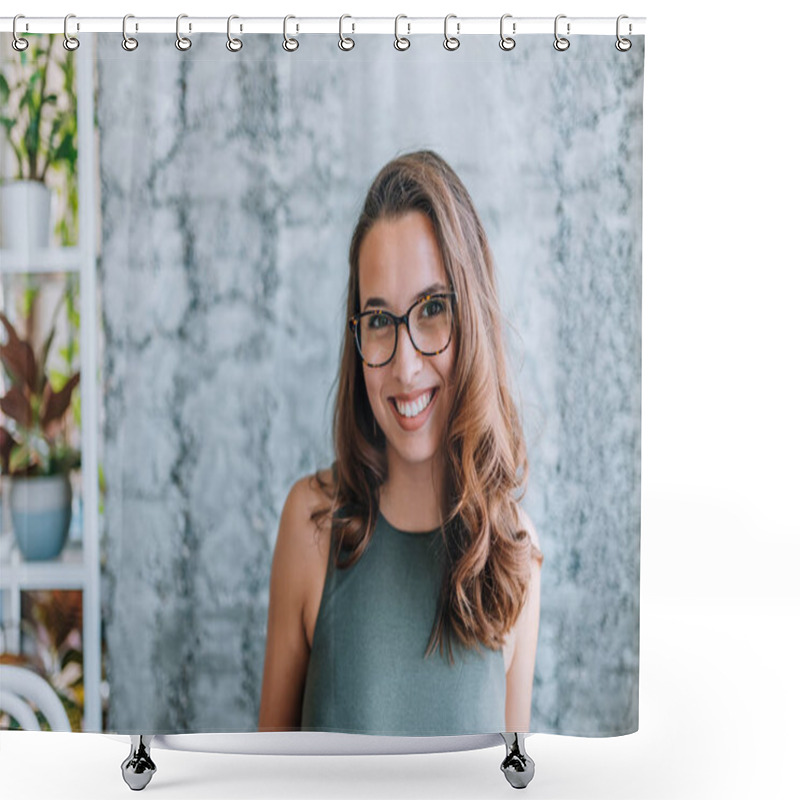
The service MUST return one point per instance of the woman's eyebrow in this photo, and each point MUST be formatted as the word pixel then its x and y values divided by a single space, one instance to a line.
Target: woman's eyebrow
pixel 380 302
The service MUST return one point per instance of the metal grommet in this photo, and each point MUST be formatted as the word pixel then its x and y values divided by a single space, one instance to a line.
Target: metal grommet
pixel 561 43
pixel 233 44
pixel 507 42
pixel 70 42
pixel 18 43
pixel 400 42
pixel 289 44
pixel 345 42
pixel 623 45
pixel 183 43
pixel 451 42
pixel 128 42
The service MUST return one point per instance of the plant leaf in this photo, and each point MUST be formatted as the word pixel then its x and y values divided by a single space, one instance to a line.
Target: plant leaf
pixel 35 78
pixel 66 149
pixel 24 461
pixel 18 357
pixel 55 404
pixel 7 444
pixel 17 406
pixel 43 361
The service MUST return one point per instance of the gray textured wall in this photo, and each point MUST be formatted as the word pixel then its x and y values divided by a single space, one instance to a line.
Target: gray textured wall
pixel 230 186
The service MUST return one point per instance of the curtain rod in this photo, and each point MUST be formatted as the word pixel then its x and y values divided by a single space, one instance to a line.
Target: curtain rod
pixel 407 26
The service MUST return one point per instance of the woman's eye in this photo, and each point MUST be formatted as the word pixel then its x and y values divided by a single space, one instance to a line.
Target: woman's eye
pixel 432 308
pixel 378 321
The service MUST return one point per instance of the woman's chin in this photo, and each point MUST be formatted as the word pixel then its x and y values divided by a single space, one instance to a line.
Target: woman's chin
pixel 411 453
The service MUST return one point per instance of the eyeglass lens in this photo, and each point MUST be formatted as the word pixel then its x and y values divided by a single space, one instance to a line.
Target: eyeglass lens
pixel 429 322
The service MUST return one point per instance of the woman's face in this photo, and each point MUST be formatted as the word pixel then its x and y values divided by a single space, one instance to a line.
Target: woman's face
pixel 410 396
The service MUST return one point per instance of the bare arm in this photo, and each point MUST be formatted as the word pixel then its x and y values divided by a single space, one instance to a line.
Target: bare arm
pixel 519 678
pixel 287 652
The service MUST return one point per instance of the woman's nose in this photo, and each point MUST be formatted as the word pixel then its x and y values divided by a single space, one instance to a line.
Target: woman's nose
pixel 407 361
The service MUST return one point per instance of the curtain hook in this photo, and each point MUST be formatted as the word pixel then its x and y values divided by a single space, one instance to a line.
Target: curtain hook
pixel 561 43
pixel 233 44
pixel 70 42
pixel 18 43
pixel 451 42
pixel 507 42
pixel 345 42
pixel 622 44
pixel 289 44
pixel 181 42
pixel 128 42
pixel 400 42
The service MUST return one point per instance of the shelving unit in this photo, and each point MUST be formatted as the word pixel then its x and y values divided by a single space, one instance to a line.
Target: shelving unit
pixel 68 571
pixel 63 259
pixel 79 565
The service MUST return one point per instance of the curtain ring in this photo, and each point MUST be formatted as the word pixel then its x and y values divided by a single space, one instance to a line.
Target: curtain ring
pixel 561 43
pixel 70 42
pixel 183 43
pixel 18 43
pixel 289 44
pixel 400 42
pixel 345 42
pixel 451 42
pixel 128 42
pixel 233 44
pixel 507 42
pixel 622 44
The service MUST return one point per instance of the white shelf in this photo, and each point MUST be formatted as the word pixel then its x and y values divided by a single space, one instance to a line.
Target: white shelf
pixel 79 566
pixel 68 571
pixel 56 259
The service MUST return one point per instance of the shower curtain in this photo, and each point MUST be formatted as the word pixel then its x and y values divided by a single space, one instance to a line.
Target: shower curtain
pixel 231 184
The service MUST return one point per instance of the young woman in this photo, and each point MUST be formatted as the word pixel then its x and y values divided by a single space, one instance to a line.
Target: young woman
pixel 404 596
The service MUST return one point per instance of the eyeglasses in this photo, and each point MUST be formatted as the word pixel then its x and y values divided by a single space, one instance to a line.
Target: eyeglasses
pixel 429 322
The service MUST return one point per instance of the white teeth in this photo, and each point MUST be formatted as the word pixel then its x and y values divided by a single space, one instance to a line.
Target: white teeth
pixel 412 409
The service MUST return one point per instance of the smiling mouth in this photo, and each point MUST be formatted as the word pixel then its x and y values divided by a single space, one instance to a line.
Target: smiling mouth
pixel 415 407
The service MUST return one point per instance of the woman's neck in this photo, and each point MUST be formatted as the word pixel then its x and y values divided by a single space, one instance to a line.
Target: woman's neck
pixel 410 498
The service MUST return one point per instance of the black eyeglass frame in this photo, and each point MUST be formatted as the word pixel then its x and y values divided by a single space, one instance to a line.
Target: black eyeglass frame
pixel 352 323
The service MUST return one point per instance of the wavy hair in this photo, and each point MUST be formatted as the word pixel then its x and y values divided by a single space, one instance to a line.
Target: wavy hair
pixel 487 552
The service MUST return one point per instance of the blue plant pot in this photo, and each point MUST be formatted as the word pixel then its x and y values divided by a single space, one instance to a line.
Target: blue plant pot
pixel 41 509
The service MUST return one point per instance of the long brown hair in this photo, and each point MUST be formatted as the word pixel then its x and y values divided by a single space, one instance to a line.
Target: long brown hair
pixel 487 553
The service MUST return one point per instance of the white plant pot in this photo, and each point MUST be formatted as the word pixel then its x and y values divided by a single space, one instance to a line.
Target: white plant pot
pixel 25 215
pixel 41 510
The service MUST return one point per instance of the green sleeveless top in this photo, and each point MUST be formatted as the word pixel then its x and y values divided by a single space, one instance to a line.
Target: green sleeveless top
pixel 367 671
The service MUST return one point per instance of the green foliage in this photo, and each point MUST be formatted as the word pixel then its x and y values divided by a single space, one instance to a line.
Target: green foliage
pixel 41 124
pixel 54 624
pixel 35 441
pixel 71 352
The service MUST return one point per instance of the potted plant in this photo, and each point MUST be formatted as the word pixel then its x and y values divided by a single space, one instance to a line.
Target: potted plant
pixel 51 622
pixel 34 450
pixel 41 128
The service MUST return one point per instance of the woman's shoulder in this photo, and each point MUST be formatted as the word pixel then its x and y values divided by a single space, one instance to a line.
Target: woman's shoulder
pixel 307 495
pixel 303 537
pixel 301 551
